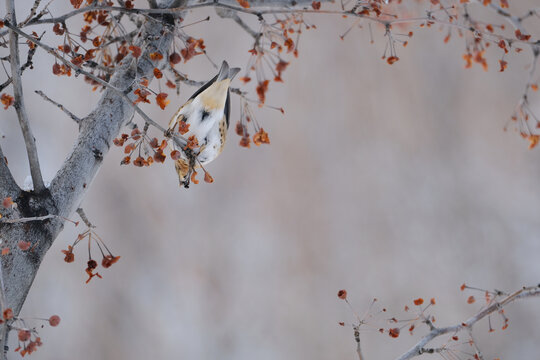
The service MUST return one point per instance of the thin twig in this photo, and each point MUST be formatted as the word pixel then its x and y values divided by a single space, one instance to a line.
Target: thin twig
pixel 30 56
pixel 28 219
pixel 357 339
pixel 28 64
pixel 84 218
pixel 183 78
pixel 418 348
pixel 5 84
pixel 245 26
pixel 513 20
pixel 231 14
pixel 33 159
pixel 32 13
pixel 477 351
pixel 125 37
pixel 269 10
pixel 60 106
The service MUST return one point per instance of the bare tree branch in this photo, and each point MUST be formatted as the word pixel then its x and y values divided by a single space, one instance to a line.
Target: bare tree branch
pixel 30 142
pixel 84 218
pixel 33 11
pixel 419 347
pixel 60 106
pixel 231 14
pixel 5 84
pixel 183 78
pixel 26 65
pixel 23 220
pixel 262 7
pixel 267 7
pixel 357 339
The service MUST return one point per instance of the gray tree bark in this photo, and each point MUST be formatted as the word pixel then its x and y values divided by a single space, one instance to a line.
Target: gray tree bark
pixel 70 184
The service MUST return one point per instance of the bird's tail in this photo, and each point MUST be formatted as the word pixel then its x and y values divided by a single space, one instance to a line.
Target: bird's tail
pixel 227 73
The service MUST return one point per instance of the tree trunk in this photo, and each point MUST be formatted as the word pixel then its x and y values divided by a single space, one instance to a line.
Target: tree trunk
pixel 70 184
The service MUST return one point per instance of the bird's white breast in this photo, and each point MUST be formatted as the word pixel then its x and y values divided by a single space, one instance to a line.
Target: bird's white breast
pixel 193 113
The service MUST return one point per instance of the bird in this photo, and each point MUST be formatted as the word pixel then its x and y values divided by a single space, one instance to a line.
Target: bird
pixel 203 120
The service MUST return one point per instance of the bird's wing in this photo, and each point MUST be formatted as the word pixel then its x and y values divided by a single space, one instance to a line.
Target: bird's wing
pixel 227 110
pixel 204 87
pixel 224 73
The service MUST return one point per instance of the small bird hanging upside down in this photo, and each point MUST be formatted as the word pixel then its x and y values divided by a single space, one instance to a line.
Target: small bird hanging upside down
pixel 203 120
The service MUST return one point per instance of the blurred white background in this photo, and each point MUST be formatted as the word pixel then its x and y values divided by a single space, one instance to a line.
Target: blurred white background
pixel 393 182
